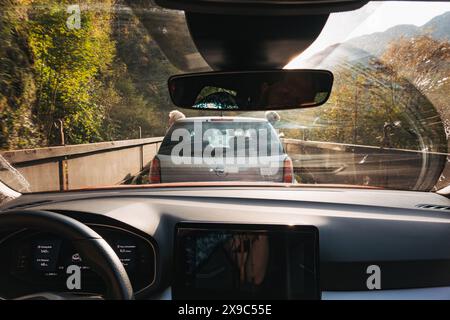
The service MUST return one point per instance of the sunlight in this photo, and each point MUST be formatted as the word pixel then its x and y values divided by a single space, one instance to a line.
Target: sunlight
pixel 373 17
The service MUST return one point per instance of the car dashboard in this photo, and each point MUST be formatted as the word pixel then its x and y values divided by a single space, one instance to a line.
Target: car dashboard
pixel 396 231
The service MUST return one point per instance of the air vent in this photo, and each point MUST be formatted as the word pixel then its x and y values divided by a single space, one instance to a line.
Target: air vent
pixel 433 206
pixel 29 204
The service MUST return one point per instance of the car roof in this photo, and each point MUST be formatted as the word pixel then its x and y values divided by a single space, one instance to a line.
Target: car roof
pixel 218 118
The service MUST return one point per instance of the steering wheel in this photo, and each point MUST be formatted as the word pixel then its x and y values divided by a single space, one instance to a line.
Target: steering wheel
pixel 95 251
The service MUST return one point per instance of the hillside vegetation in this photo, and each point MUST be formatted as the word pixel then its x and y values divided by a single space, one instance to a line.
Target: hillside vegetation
pixel 102 80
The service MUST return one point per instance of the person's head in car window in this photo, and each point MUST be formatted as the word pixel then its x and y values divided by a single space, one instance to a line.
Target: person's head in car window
pixel 174 116
pixel 273 117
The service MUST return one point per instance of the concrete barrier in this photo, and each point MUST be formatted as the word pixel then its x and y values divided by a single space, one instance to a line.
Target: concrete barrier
pixel 80 166
pixel 109 163
pixel 337 163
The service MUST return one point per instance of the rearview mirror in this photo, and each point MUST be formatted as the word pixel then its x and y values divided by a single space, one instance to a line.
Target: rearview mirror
pixel 251 90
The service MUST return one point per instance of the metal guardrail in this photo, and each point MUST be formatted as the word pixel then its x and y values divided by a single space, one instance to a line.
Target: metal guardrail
pixel 33 155
pixel 338 163
pixel 108 163
pixel 78 166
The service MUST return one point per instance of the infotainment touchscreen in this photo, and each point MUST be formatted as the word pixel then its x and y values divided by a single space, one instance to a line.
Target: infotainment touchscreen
pixel 238 261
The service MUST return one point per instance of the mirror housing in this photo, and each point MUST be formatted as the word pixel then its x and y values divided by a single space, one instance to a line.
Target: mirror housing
pixel 251 90
pixel 262 7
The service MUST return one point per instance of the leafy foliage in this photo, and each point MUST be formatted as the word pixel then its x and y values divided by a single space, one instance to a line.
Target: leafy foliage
pixel 103 81
pixel 18 127
pixel 68 64
pixel 425 62
pixel 390 102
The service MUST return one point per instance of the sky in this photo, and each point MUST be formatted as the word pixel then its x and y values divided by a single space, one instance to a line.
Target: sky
pixel 373 17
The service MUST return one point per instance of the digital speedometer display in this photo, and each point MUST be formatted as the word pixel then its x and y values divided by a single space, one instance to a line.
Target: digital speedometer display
pixel 45 255
pixel 40 260
pixel 49 256
pixel 126 251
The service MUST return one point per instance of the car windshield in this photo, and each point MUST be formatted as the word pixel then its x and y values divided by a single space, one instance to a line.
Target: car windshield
pixel 84 102
pixel 225 134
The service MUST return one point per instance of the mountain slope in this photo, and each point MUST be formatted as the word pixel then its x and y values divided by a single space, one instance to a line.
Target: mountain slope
pixel 375 43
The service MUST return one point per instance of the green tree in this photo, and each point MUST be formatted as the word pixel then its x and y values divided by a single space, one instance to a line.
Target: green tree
pixel 69 64
pixel 18 128
pixel 425 62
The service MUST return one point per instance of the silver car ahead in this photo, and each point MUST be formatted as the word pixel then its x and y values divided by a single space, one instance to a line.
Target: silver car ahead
pixel 221 149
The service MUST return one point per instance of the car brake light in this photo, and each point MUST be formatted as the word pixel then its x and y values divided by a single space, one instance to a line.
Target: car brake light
pixel 155 171
pixel 288 171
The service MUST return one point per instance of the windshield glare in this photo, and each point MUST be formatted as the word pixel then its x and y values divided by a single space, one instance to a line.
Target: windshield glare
pixel 84 102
